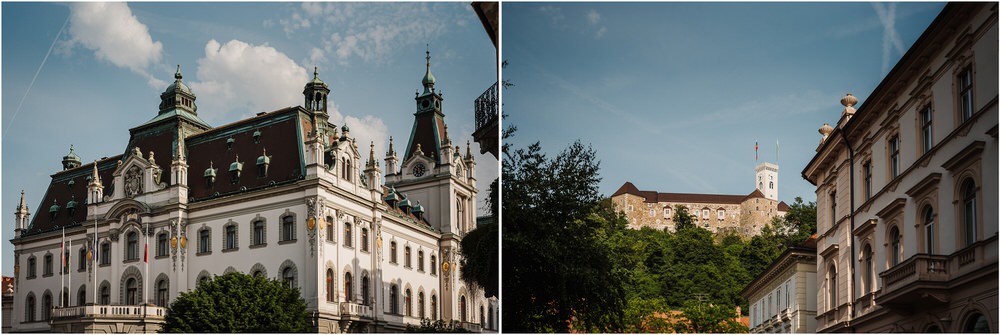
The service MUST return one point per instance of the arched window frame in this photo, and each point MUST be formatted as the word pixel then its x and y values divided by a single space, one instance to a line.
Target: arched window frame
pixel 348 287
pixel 289 273
pixel 230 236
pixel 287 225
pixel 204 241
pixel 348 236
pixel 393 299
pixel 331 291
pixel 131 246
pixel 259 230
pixel 895 240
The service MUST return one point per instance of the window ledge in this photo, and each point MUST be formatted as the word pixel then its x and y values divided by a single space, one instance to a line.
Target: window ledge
pixel 130 261
pixel 287 241
pixel 231 249
pixel 203 253
pixel 255 246
pixel 47 275
pixel 161 256
pixel 104 265
pixel 31 277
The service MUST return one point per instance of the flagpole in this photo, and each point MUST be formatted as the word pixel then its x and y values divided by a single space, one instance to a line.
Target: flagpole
pixel 69 268
pixel 62 270
pixel 94 259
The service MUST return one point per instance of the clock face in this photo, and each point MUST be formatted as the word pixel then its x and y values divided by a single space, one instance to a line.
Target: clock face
pixel 419 170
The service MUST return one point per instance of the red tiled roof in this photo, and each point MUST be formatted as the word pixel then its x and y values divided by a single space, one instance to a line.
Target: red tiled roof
pixel 783 207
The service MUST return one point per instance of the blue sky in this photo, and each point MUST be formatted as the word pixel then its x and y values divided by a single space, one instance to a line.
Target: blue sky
pixel 673 96
pixel 106 64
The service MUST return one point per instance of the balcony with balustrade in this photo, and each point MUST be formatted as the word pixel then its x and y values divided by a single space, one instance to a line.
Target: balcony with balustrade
pixel 487 134
pixel 924 280
pixel 108 319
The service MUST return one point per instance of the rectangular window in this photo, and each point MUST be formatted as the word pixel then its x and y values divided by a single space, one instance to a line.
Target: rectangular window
pixel 420 260
pixel 433 265
pixel 231 237
pixel 161 245
pixel 32 267
pixel 867 171
pixel 704 213
pixel 721 215
pixel 926 130
pixel 287 228
pixel 48 266
pixel 666 213
pixel 106 254
pixel 83 260
pixel 258 232
pixel 833 208
pixel 894 157
pixel 203 239
pixel 965 93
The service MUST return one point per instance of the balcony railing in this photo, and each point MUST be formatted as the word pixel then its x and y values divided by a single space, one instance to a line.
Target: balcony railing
pixel 109 311
pixel 487 131
pixel 915 280
pixel 352 309
pixel 487 108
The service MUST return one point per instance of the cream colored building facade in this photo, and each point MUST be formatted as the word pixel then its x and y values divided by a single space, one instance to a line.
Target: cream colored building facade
pixel 283 195
pixel 782 299
pixel 743 214
pixel 906 190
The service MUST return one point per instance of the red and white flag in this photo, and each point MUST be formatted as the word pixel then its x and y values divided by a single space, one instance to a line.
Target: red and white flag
pixel 145 254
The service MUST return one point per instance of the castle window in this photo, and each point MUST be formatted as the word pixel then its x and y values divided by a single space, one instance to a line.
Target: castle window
pixel 420 304
pixel 161 292
pixel 288 276
pixel 869 270
pixel 434 307
pixel 433 264
pixel 406 256
pixel 29 304
pixel 105 293
pixel 330 292
pixel 832 285
pixel 721 214
pixel 666 212
pixel 32 265
pixel 393 299
pixel 965 93
pixel 83 259
pixel 408 302
pixel 46 306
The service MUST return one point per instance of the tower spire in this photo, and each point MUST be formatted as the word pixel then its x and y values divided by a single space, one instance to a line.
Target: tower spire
pixel 428 76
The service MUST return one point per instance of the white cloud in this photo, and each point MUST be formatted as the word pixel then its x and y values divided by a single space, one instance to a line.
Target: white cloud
pixel 890 38
pixel 365 131
pixel 115 35
pixel 238 76
pixel 593 17
pixel 600 32
pixel 555 14
pixel 368 31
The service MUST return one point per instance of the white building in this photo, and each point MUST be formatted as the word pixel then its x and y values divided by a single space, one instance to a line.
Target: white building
pixel 782 299
pixel 906 190
pixel 282 195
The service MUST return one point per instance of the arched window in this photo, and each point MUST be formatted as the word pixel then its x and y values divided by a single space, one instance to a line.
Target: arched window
pixel 347 234
pixel 365 290
pixel 162 289
pixel 420 304
pixel 393 299
pixel 408 302
pixel 896 246
pixel 482 316
pixel 132 246
pixel 348 290
pixel 288 228
pixel 65 297
pixel 929 230
pixel 82 256
pixel 434 265
pixel 463 309
pixel 131 292
pixel 331 230
pixel 231 237
pixel 869 270
pixel 81 295
pixel 977 323
pixel 288 276
pixel 406 256
pixel 364 239
pixel 832 284
pixel 434 307
pixel 969 211
pixel 29 306
pixel 392 252
pixel 329 285
pixel 420 260
pixel 259 232
pixel 105 293
pixel 46 306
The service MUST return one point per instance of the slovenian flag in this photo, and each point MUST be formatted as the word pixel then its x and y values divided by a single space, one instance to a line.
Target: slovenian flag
pixel 755 147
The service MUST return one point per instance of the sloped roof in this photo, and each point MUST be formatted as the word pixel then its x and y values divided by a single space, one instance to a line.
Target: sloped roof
pixel 654 197
pixel 783 207
pixel 61 191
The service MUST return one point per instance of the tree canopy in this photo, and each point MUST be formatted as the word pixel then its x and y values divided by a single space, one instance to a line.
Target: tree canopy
pixel 238 303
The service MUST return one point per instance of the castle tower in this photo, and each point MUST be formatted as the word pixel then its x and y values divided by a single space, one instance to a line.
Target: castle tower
pixel 767 180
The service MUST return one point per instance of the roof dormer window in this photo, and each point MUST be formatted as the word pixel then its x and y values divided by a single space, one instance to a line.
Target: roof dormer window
pixel 229 143
pixel 256 136
pixel 71 206
pixel 54 210
pixel 262 163
pixel 235 169
pixel 210 173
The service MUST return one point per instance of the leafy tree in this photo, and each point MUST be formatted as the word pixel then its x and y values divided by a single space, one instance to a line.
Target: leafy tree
pixel 238 303
pixel 439 326
pixel 682 218
pixel 704 317
pixel 556 237
pixel 481 262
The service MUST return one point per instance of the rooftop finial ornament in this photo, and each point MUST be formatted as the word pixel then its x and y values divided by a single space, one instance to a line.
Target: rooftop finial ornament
pixel 848 101
pixel 315 72
pixel 177 75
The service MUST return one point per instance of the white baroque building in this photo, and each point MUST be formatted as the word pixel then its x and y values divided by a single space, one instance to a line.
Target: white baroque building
pixel 282 195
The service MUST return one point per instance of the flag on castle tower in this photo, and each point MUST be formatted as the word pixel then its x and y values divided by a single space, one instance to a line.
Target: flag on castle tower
pixel 755 147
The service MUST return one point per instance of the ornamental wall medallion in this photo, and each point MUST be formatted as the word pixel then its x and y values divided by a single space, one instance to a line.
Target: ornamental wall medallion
pixel 133 182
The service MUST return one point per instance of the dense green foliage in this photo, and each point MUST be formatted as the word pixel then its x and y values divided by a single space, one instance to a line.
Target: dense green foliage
pixel 480 264
pixel 560 264
pixel 238 303
pixel 439 326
